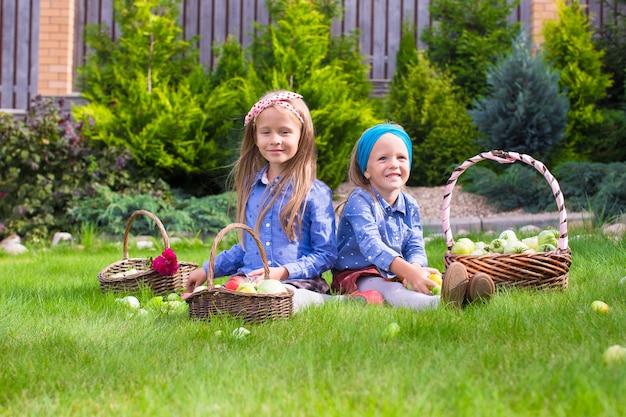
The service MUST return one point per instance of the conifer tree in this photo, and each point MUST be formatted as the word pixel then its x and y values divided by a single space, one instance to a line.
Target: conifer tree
pixel 524 109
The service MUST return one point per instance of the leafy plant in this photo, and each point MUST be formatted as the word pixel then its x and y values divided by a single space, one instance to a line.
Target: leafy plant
pixel 524 109
pixel 466 37
pixel 294 52
pixel 46 166
pixel 570 49
pixel 148 93
pixel 417 100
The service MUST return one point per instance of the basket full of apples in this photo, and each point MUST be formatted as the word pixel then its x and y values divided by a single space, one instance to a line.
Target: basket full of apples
pixel 164 275
pixel 250 300
pixel 540 261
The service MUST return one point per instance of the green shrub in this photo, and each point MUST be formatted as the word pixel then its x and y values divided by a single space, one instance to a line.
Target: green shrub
pixel 607 140
pixel 46 166
pixel 594 186
pixel 612 41
pixel 466 37
pixel 516 186
pixel 297 52
pixel 418 100
pixel 110 211
pixel 148 93
pixel 524 110
pixel 570 49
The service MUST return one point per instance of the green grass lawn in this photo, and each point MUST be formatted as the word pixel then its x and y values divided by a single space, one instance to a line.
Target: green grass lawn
pixel 66 349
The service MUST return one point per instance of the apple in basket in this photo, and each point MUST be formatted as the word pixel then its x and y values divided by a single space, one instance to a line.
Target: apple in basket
pixel 234 282
pixel 270 286
pixel 247 287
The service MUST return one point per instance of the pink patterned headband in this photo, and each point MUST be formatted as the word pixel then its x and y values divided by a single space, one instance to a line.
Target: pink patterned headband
pixel 277 99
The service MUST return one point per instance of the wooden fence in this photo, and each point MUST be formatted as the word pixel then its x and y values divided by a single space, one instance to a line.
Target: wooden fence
pixel 19 38
pixel 379 23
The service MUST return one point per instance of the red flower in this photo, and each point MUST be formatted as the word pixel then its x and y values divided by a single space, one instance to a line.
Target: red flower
pixel 166 264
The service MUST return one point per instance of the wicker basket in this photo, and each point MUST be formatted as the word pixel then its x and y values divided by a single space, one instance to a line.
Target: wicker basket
pixel 146 276
pixel 529 270
pixel 251 307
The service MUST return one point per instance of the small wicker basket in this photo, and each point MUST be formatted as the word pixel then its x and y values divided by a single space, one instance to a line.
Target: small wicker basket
pixel 540 270
pixel 146 276
pixel 251 307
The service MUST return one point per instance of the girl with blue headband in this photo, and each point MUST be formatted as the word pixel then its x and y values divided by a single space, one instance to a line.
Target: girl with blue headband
pixel 379 234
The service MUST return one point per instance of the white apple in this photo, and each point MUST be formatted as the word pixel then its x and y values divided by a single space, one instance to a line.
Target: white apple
pixel 200 288
pixel 240 332
pixel 508 235
pixel 270 286
pixel 129 301
pixel 614 355
pixel 498 245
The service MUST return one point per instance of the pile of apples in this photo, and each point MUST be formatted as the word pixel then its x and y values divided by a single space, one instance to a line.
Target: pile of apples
pixel 264 286
pixel 507 242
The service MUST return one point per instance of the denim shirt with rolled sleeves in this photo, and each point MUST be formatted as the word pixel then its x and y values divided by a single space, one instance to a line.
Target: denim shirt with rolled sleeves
pixel 370 232
pixel 315 250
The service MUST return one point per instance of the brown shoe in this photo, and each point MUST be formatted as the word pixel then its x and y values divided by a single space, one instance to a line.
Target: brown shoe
pixel 454 285
pixel 481 287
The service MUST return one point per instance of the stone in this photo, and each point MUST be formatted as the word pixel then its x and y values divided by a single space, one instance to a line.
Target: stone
pixel 61 237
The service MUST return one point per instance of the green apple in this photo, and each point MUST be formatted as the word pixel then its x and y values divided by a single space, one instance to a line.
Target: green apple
pixel 436 290
pixel 547 237
pixel 508 235
pixel 546 247
pixel 532 242
pixel 129 301
pixel 391 330
pixel 247 287
pixel 600 307
pixel 498 245
pixel 516 247
pixel 174 297
pixel 614 355
pixel 461 248
pixel 200 288
pixel 270 286
pixel 436 277
pixel 240 332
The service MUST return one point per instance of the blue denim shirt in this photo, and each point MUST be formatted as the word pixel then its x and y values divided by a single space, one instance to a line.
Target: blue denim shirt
pixel 370 232
pixel 315 250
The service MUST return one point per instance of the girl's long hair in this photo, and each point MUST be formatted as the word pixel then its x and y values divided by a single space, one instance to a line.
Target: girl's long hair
pixel 299 175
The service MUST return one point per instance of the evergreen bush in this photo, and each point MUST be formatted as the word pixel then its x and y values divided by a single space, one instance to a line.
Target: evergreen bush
pixel 426 103
pixel 147 92
pixel 46 167
pixel 524 109
pixel 297 52
pixel 570 49
pixel 611 39
pixel 466 37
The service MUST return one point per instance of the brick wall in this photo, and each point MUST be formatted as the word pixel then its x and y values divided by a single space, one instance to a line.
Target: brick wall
pixel 56 47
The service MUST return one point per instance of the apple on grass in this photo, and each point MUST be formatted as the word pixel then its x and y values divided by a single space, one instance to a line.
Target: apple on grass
pixel 391 330
pixel 600 307
pixel 614 355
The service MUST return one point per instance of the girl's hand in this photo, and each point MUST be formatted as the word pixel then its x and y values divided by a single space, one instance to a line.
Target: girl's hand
pixel 278 273
pixel 196 277
pixel 419 280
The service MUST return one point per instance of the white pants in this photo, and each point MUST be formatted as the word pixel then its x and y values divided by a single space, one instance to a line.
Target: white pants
pixel 396 295
pixel 303 298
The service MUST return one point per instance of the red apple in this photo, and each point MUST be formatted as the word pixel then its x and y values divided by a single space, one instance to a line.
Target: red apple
pixel 234 282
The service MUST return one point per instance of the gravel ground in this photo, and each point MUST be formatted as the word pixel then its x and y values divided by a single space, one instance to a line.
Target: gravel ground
pixel 464 204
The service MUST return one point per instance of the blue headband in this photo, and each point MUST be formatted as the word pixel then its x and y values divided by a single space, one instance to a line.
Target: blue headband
pixel 371 136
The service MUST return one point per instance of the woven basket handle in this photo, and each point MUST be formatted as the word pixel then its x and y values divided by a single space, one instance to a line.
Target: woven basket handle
pixel 220 236
pixel 504 157
pixel 132 217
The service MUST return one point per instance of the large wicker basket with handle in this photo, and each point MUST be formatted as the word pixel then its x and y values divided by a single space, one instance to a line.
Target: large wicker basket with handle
pixel 115 278
pixel 251 307
pixel 530 270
